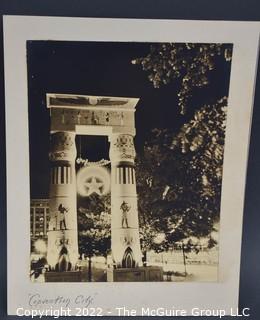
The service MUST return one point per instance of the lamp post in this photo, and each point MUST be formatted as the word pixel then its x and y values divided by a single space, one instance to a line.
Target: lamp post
pixel 184 258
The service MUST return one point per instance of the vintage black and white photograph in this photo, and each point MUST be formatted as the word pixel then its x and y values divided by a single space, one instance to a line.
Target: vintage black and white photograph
pixel 126 150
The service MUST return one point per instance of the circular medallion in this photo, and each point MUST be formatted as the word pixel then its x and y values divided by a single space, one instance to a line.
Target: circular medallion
pixel 93 101
pixel 93 180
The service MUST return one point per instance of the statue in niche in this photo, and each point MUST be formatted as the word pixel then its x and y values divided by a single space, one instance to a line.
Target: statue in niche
pixel 62 210
pixel 125 209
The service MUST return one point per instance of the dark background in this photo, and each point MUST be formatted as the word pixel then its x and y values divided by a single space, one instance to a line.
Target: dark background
pixel 248 10
pixel 103 69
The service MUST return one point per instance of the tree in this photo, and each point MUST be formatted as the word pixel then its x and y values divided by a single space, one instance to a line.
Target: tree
pixel 94 225
pixel 179 180
pixel 188 64
pixel 179 174
pixel 94 234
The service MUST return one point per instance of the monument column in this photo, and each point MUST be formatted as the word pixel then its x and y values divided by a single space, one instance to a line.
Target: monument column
pixel 125 239
pixel 62 254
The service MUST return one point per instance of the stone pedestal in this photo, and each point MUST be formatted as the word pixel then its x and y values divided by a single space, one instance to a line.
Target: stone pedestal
pixel 67 276
pixel 140 274
pixel 62 252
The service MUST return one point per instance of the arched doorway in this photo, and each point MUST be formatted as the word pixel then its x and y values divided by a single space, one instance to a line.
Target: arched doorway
pixel 128 259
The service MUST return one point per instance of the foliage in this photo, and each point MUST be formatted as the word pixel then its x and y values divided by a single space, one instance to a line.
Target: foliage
pixel 94 225
pixel 188 64
pixel 179 179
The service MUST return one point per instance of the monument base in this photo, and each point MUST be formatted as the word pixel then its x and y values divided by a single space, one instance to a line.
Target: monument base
pixel 66 276
pixel 139 274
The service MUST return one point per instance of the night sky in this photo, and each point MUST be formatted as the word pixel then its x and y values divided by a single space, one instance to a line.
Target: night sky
pixel 102 69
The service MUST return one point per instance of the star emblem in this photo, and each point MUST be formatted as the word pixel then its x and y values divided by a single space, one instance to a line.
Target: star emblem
pixel 93 179
pixel 93 186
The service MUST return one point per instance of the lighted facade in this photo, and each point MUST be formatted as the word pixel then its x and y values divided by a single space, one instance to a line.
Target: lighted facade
pixel 113 117
pixel 39 218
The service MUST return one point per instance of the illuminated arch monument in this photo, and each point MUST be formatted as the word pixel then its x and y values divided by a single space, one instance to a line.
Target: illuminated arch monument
pixel 88 115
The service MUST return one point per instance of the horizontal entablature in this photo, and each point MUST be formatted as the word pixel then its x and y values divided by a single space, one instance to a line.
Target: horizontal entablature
pixel 68 119
pixel 74 101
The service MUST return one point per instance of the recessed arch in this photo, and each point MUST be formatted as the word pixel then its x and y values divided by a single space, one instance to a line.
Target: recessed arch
pixel 128 259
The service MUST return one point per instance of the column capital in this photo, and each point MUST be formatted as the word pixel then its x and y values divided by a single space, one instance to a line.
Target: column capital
pixel 122 147
pixel 62 146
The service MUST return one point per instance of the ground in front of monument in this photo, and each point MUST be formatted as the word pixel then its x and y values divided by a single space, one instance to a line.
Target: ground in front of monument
pixel 201 267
